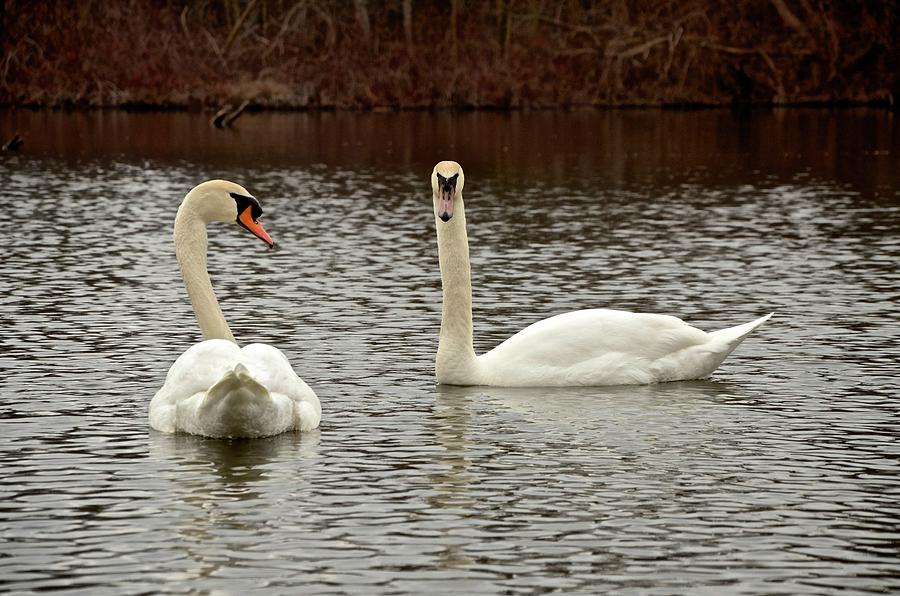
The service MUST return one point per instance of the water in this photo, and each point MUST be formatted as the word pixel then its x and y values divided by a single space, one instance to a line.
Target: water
pixel 781 475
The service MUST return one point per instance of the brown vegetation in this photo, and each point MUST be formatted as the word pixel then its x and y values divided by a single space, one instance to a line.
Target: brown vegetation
pixel 448 53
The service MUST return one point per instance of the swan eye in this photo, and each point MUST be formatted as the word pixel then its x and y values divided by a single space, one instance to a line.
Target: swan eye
pixel 445 182
pixel 244 201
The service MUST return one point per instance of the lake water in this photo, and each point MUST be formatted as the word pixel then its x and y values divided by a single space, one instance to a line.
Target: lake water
pixel 780 475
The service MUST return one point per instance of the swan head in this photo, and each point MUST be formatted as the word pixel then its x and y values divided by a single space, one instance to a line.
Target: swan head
pixel 221 200
pixel 447 182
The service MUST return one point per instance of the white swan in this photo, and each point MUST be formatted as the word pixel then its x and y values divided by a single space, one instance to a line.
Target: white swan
pixel 215 388
pixel 585 347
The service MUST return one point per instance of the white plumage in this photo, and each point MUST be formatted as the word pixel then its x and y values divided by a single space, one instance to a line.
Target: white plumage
pixel 608 347
pixel 580 348
pixel 216 388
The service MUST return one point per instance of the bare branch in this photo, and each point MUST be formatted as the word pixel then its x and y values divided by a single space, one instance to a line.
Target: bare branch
pixel 789 18
pixel 237 26
pixel 643 48
pixel 184 26
pixel 407 20
pixel 779 87
pixel 362 18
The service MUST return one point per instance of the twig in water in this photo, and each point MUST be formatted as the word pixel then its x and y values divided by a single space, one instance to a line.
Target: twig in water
pixel 14 144
pixel 226 115
pixel 230 118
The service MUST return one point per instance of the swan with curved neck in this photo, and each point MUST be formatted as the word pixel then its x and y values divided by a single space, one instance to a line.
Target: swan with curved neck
pixel 579 348
pixel 216 388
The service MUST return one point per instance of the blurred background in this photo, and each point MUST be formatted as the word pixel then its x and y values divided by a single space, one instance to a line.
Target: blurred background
pixel 384 54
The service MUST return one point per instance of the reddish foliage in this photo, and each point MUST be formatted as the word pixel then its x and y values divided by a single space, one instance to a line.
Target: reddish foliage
pixel 314 54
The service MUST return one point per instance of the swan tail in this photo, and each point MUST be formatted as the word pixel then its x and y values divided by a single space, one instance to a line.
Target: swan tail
pixel 236 406
pixel 706 358
pixel 733 336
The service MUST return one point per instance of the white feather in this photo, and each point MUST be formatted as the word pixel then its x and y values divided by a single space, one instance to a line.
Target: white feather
pixel 581 348
pixel 216 388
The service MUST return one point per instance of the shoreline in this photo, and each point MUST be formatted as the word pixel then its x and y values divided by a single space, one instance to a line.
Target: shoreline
pixel 881 104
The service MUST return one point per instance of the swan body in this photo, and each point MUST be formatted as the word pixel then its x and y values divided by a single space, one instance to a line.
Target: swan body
pixel 216 388
pixel 607 347
pixel 579 348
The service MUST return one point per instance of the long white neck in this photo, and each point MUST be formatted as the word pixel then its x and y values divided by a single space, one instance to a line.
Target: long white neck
pixel 190 248
pixel 455 361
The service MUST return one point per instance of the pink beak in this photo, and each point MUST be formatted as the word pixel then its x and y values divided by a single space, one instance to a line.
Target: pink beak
pixel 445 205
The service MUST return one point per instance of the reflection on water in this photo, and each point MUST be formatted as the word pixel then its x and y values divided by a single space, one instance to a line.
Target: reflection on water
pixel 587 409
pixel 237 464
pixel 516 149
pixel 215 484
pixel 779 475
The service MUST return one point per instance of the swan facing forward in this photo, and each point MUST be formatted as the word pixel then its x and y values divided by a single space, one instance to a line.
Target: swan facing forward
pixel 585 347
pixel 216 388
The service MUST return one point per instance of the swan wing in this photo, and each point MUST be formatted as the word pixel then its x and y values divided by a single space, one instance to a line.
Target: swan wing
pixel 217 389
pixel 192 374
pixel 271 366
pixel 602 347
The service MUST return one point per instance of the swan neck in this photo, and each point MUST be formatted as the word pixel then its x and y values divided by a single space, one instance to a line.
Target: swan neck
pixel 190 248
pixel 456 281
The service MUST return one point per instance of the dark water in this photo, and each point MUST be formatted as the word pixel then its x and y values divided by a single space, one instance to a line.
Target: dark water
pixel 779 476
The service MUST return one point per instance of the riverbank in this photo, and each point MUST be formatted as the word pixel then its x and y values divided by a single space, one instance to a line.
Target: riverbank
pixel 425 55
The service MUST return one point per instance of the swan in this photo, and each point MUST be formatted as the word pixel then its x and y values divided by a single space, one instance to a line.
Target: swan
pixel 216 388
pixel 581 348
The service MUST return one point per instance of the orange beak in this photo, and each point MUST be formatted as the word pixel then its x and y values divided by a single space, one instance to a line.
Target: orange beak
pixel 246 220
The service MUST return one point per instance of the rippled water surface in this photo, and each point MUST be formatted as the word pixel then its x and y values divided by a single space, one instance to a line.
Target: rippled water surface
pixel 781 475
